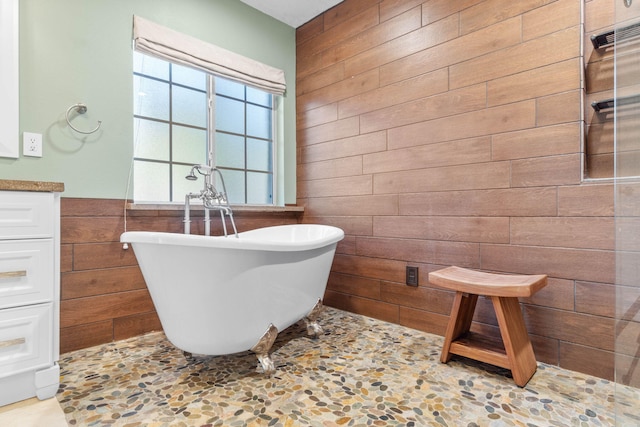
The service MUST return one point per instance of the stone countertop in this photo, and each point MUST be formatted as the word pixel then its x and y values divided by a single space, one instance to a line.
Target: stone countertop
pixel 43 186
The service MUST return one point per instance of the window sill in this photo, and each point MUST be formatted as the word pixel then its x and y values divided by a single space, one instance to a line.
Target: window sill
pixel 290 209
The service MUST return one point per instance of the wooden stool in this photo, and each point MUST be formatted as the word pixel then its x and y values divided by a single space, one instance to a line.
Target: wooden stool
pixel 516 352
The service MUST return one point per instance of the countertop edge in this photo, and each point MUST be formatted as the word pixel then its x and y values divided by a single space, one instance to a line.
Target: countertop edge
pixel 41 186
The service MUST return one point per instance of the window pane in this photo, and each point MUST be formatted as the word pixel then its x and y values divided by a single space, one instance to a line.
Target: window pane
pixel 259 188
pixel 182 186
pixel 242 122
pixel 189 145
pixel 150 182
pixel 150 66
pixel 258 96
pixel 151 98
pixel 258 121
pixel 229 150
pixel 150 139
pixel 189 77
pixel 189 107
pixel 229 115
pixel 229 88
pixel 259 155
pixel 234 181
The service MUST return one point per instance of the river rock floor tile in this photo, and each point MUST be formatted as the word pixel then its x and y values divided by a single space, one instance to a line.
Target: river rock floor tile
pixel 360 372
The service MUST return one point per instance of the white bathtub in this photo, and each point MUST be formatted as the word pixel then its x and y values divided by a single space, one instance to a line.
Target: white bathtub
pixel 223 295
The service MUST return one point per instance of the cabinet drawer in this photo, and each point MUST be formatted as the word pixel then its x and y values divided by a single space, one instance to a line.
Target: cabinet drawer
pixel 26 272
pixel 26 338
pixel 26 215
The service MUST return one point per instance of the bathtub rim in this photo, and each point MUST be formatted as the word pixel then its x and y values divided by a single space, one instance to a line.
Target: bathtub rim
pixel 257 239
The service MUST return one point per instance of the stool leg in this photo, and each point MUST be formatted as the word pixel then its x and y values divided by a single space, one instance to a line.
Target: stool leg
pixel 516 339
pixel 459 321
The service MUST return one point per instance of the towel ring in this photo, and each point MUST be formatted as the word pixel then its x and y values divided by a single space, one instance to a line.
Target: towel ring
pixel 80 109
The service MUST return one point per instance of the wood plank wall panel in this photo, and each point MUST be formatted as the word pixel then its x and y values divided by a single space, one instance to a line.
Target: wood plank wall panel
pixel 103 293
pixel 459 142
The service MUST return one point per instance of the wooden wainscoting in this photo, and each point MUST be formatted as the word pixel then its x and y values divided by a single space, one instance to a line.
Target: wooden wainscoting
pixel 103 294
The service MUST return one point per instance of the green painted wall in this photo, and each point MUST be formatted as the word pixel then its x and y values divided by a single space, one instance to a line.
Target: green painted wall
pixel 80 51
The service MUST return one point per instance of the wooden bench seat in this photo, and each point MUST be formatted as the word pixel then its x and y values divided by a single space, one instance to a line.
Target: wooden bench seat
pixel 516 352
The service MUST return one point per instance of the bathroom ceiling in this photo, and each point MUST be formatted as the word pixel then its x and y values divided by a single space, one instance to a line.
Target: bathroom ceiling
pixel 292 12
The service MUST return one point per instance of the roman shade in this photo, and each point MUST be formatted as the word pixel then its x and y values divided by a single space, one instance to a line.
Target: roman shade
pixel 176 47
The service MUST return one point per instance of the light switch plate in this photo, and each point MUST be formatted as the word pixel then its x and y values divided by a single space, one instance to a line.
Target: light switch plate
pixel 32 144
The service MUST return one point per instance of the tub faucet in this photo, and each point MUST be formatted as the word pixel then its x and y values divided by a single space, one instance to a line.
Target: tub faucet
pixel 211 199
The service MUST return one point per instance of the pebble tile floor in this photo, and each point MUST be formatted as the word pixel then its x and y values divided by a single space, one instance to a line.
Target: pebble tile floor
pixel 361 372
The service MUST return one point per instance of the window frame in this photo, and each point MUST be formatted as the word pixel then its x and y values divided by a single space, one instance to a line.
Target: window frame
pixel 274 140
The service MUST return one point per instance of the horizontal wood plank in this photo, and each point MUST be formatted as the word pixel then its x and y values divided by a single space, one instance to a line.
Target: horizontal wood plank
pixel 345 147
pixel 450 228
pixel 574 232
pixel 463 254
pixel 558 108
pixel 86 335
pixel 586 359
pixel 453 178
pixel 546 171
pixel 482 122
pixel 539 201
pixel 537 142
pixel 424 109
pixel 555 78
pixel 464 151
pixel 92 256
pixel 131 326
pixel 586 200
pixel 79 284
pixel 555 16
pixel 416 41
pixel 446 53
pixel 579 264
pixel 80 311
pixel 367 307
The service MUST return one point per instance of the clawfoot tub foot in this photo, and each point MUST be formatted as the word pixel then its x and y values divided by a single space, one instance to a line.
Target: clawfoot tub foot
pixel 261 349
pixel 187 355
pixel 313 327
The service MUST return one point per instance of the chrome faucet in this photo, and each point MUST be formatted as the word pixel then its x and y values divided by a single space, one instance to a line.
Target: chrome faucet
pixel 211 199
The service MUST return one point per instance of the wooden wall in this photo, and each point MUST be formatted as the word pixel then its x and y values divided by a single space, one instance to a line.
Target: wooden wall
pixel 103 294
pixel 441 133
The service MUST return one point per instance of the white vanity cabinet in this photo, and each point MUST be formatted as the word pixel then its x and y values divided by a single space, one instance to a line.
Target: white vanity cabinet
pixel 29 294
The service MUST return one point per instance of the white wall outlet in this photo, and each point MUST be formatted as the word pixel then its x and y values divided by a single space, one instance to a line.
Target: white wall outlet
pixel 32 144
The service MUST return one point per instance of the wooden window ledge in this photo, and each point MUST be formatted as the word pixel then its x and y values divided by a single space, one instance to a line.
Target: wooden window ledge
pixel 289 209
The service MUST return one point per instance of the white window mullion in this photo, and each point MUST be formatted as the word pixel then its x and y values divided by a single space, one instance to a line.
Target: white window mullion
pixel 211 126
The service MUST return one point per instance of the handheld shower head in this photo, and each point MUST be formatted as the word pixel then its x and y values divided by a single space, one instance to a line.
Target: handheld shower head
pixel 202 170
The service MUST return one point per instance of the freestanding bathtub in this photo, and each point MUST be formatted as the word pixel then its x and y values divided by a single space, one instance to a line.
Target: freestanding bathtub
pixel 224 295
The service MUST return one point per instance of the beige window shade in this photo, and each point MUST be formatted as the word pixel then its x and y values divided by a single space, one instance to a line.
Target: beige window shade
pixel 176 47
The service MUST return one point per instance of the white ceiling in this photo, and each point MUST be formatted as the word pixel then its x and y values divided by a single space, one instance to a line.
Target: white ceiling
pixel 292 12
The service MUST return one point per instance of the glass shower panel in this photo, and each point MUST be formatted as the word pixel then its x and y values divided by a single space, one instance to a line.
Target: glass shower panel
pixel 627 212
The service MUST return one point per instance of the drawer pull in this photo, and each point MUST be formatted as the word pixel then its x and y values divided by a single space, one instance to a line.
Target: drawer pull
pixel 11 343
pixel 11 274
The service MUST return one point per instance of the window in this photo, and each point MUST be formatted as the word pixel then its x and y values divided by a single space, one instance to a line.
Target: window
pixel 184 116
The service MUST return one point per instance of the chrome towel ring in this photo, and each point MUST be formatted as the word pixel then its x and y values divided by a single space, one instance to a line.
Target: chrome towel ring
pixel 80 109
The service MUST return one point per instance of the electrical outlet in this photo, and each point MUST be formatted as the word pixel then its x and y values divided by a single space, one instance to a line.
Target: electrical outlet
pixel 412 276
pixel 32 144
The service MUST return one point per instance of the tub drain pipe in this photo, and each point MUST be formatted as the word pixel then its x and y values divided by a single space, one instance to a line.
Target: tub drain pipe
pixel 207 223
pixel 187 218
pixel 187 212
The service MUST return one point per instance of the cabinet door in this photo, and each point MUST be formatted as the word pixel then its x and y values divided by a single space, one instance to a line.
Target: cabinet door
pixel 26 338
pixel 26 215
pixel 26 272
